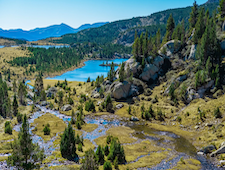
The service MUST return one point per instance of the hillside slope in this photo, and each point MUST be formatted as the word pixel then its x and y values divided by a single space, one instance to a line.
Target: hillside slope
pixel 112 31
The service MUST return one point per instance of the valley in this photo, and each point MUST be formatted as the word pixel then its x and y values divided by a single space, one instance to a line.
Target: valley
pixel 142 93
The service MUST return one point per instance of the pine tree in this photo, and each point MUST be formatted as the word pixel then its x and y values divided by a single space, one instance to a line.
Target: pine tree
pixel 67 143
pixel 39 84
pixel 169 28
pixel 135 35
pixel 200 26
pixel 121 73
pixel 221 8
pixel 60 95
pixel 89 161
pixel 135 48
pixel 100 155
pixel 140 46
pixel 25 154
pixel 14 86
pixel 158 39
pixel 107 166
pixel 193 15
pixel 22 93
pixel 145 45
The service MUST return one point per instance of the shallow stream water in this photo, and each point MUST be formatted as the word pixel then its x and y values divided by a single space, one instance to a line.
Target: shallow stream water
pixel 179 145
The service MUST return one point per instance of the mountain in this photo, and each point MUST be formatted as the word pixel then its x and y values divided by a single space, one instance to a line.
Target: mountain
pixel 42 33
pixel 213 1
pixel 122 32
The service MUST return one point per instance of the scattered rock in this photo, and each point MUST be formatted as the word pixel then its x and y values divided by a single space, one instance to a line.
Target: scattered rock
pixel 209 149
pixel 96 95
pixel 120 90
pixel 134 119
pixel 134 91
pixel 209 124
pixel 99 103
pixel 196 127
pixel 119 106
pixel 181 78
pixel 30 95
pixel 66 107
pixel 154 100
pixel 218 93
pixel 44 103
pixel 51 91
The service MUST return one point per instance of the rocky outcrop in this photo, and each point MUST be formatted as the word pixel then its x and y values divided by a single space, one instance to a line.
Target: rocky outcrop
pixel 44 103
pixel 209 149
pixel 222 44
pixel 134 119
pixel 221 150
pixel 51 91
pixel 119 106
pixel 66 107
pixel 132 66
pixel 158 61
pixel 120 89
pixel 170 48
pixel 192 52
pixel 96 95
pixel 30 95
pixel 149 72
pixel 134 91
pixel 223 26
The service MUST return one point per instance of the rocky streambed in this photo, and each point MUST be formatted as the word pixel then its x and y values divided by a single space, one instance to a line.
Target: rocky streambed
pixel 175 146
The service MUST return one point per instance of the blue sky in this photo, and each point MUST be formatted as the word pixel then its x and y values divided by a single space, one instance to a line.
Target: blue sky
pixel 29 14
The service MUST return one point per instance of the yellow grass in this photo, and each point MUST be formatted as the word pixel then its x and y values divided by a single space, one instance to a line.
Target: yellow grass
pixel 89 127
pixel 123 133
pixel 188 164
pixel 57 125
pixel 147 161
pixel 142 148
pixel 8 54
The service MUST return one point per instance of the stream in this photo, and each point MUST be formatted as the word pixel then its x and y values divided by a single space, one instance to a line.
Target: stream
pixel 179 146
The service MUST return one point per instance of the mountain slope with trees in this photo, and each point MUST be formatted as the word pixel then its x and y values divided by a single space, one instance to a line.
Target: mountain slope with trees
pixel 111 31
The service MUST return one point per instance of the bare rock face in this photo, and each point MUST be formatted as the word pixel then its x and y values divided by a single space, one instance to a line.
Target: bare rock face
pixel 120 90
pixel 158 61
pixel 131 65
pixel 221 150
pixel 193 51
pixel 223 26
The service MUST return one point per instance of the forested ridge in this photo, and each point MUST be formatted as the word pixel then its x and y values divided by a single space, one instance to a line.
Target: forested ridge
pixel 58 59
pixel 111 31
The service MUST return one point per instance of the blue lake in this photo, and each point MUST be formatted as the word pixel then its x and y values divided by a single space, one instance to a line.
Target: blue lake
pixel 91 69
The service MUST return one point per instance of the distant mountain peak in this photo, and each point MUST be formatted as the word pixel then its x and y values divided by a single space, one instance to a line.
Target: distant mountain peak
pixel 46 32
